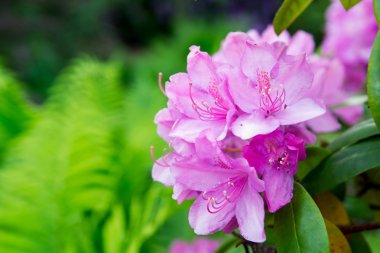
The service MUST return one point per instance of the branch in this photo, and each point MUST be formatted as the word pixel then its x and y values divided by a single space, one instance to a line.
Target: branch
pixel 358 228
pixel 256 247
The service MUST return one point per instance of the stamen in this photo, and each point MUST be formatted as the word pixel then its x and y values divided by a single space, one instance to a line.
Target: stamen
pixel 160 84
pixel 224 194
pixel 204 110
pixel 155 160
pixel 268 103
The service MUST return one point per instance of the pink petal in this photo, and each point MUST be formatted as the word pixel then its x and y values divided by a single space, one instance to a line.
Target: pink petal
pixel 182 147
pixel 243 93
pixel 177 90
pixel 296 77
pixel 255 182
pixel 229 121
pixel 180 247
pixel 270 36
pixel 278 188
pixel 250 125
pixel 205 223
pixel 199 176
pixel 162 174
pixel 324 123
pixel 301 43
pixel 302 132
pixel 250 215
pixel 164 122
pixel 257 57
pixel 233 47
pixel 201 68
pixel 350 114
pixel 231 226
pixel 205 246
pixel 303 110
pixel 180 193
pixel 190 129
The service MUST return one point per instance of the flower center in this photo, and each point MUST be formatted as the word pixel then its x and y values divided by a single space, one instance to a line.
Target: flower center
pixel 224 194
pixel 216 110
pixel 272 99
pixel 282 162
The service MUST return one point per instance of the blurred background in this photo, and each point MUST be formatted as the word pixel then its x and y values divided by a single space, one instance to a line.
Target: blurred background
pixel 78 94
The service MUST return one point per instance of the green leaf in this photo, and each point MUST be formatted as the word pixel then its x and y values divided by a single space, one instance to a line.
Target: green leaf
pixel 348 4
pixel 376 7
pixel 357 208
pixel 288 12
pixel 373 81
pixel 314 155
pixel 358 243
pixel 344 165
pixel 299 227
pixel 373 240
pixel 356 133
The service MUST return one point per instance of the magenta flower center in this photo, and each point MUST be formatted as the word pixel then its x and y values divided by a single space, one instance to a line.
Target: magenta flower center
pixel 272 99
pixel 282 161
pixel 216 109
pixel 224 194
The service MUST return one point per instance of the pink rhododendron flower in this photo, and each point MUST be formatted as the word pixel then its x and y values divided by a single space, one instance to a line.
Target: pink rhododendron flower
pixel 198 246
pixel 275 156
pixel 328 85
pixel 229 192
pixel 349 37
pixel 329 75
pixel 198 100
pixel 235 43
pixel 162 167
pixel 271 90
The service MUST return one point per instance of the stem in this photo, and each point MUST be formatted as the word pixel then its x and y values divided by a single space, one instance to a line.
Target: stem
pixel 245 248
pixel 233 150
pixel 358 228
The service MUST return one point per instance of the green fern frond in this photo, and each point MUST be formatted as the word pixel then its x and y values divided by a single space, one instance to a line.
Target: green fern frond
pixel 15 112
pixel 60 178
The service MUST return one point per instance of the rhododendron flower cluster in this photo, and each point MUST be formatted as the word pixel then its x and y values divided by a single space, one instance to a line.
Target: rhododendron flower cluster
pixel 237 122
pixel 349 37
pixel 236 126
pixel 200 245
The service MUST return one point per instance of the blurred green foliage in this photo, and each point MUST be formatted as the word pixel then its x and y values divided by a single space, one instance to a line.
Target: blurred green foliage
pixel 75 170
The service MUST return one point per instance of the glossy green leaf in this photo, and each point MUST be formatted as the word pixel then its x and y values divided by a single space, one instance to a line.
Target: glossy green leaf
pixel 288 12
pixel 356 133
pixel 299 226
pixel 344 165
pixel 314 155
pixel 376 7
pixel 348 4
pixel 358 243
pixel 373 81
pixel 373 239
